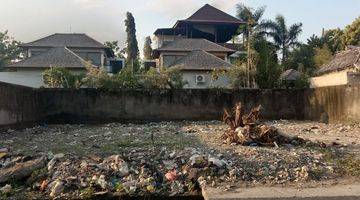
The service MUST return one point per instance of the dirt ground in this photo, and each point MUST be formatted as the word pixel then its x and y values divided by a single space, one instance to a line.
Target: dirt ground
pixel 174 143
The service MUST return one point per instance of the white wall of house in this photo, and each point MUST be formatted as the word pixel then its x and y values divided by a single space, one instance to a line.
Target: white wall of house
pixel 27 77
pixel 190 77
pixel 343 77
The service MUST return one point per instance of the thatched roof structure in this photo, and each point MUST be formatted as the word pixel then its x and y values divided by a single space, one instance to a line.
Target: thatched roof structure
pixel 348 59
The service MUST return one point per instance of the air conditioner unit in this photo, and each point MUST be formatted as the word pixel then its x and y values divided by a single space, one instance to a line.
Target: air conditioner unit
pixel 200 79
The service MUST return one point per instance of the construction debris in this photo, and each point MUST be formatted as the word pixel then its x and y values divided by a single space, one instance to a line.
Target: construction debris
pixel 245 129
pixel 21 170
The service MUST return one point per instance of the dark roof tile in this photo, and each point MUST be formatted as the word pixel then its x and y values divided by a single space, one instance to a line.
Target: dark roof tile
pixel 54 57
pixel 209 13
pixel 201 60
pixel 65 40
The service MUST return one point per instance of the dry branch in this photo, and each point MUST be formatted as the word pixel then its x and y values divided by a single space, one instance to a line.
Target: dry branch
pixel 245 129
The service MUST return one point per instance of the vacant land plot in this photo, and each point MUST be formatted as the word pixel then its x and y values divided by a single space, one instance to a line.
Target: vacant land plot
pixel 174 158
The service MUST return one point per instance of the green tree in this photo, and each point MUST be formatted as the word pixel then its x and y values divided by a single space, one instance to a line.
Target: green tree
pixel 332 38
pixel 147 48
pixel 250 32
pixel 251 16
pixel 284 37
pixel 267 68
pixel 322 56
pixel 301 59
pixel 59 77
pixel 352 33
pixel 114 45
pixel 9 49
pixel 315 42
pixel 132 49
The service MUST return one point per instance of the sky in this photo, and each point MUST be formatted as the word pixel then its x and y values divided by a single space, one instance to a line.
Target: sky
pixel 28 20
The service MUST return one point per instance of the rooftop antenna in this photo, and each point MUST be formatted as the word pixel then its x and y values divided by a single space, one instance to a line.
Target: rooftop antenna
pixel 70 28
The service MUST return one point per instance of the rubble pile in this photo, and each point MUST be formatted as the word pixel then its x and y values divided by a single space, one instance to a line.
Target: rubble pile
pixel 69 176
pixel 245 129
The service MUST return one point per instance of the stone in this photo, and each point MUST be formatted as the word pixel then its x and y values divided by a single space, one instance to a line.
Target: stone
pixel 6 189
pixel 57 189
pixel 102 182
pixel 217 162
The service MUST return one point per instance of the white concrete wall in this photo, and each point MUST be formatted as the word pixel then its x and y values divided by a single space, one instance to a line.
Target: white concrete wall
pixel 330 79
pixel 27 77
pixel 190 77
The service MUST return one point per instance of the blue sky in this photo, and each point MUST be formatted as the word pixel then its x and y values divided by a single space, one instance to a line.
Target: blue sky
pixel 28 20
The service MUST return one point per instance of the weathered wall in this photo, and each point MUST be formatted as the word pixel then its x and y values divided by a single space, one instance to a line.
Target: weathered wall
pixel 340 103
pixel 93 105
pixel 21 105
pixel 18 105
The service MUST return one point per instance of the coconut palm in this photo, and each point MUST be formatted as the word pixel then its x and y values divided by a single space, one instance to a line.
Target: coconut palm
pixel 249 31
pixel 251 16
pixel 284 37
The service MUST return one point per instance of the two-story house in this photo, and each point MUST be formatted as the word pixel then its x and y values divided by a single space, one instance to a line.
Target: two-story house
pixel 71 51
pixel 198 46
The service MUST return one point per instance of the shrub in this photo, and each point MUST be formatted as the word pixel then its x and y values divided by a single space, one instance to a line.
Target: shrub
pixel 153 79
pixel 237 75
pixel 58 77
pixel 126 79
pixel 163 79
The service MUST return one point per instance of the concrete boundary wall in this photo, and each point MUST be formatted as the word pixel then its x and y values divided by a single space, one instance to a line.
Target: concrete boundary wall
pixel 22 106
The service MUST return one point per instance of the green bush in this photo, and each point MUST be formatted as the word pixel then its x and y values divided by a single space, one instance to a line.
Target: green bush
pixel 59 77
pixel 126 79
pixel 163 79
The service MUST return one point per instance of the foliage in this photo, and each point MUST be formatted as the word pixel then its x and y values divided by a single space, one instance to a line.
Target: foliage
pixel 98 78
pixel 175 78
pixel 284 37
pixel 132 49
pixel 165 78
pixel 154 79
pixel 58 77
pixel 352 33
pixel 302 82
pixel 147 48
pixel 237 75
pixel 114 45
pixel 9 49
pixel 251 16
pixel 126 79
pixel 315 41
pixel 322 56
pixel 301 59
pixel 267 68
pixel 332 38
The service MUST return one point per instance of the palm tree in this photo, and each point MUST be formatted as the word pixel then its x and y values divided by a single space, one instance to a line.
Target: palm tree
pixel 251 17
pixel 284 37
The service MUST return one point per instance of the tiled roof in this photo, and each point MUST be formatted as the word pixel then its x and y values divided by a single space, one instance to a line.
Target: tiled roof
pixel 201 60
pixel 189 44
pixel 209 13
pixel 349 58
pixel 65 40
pixel 54 57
